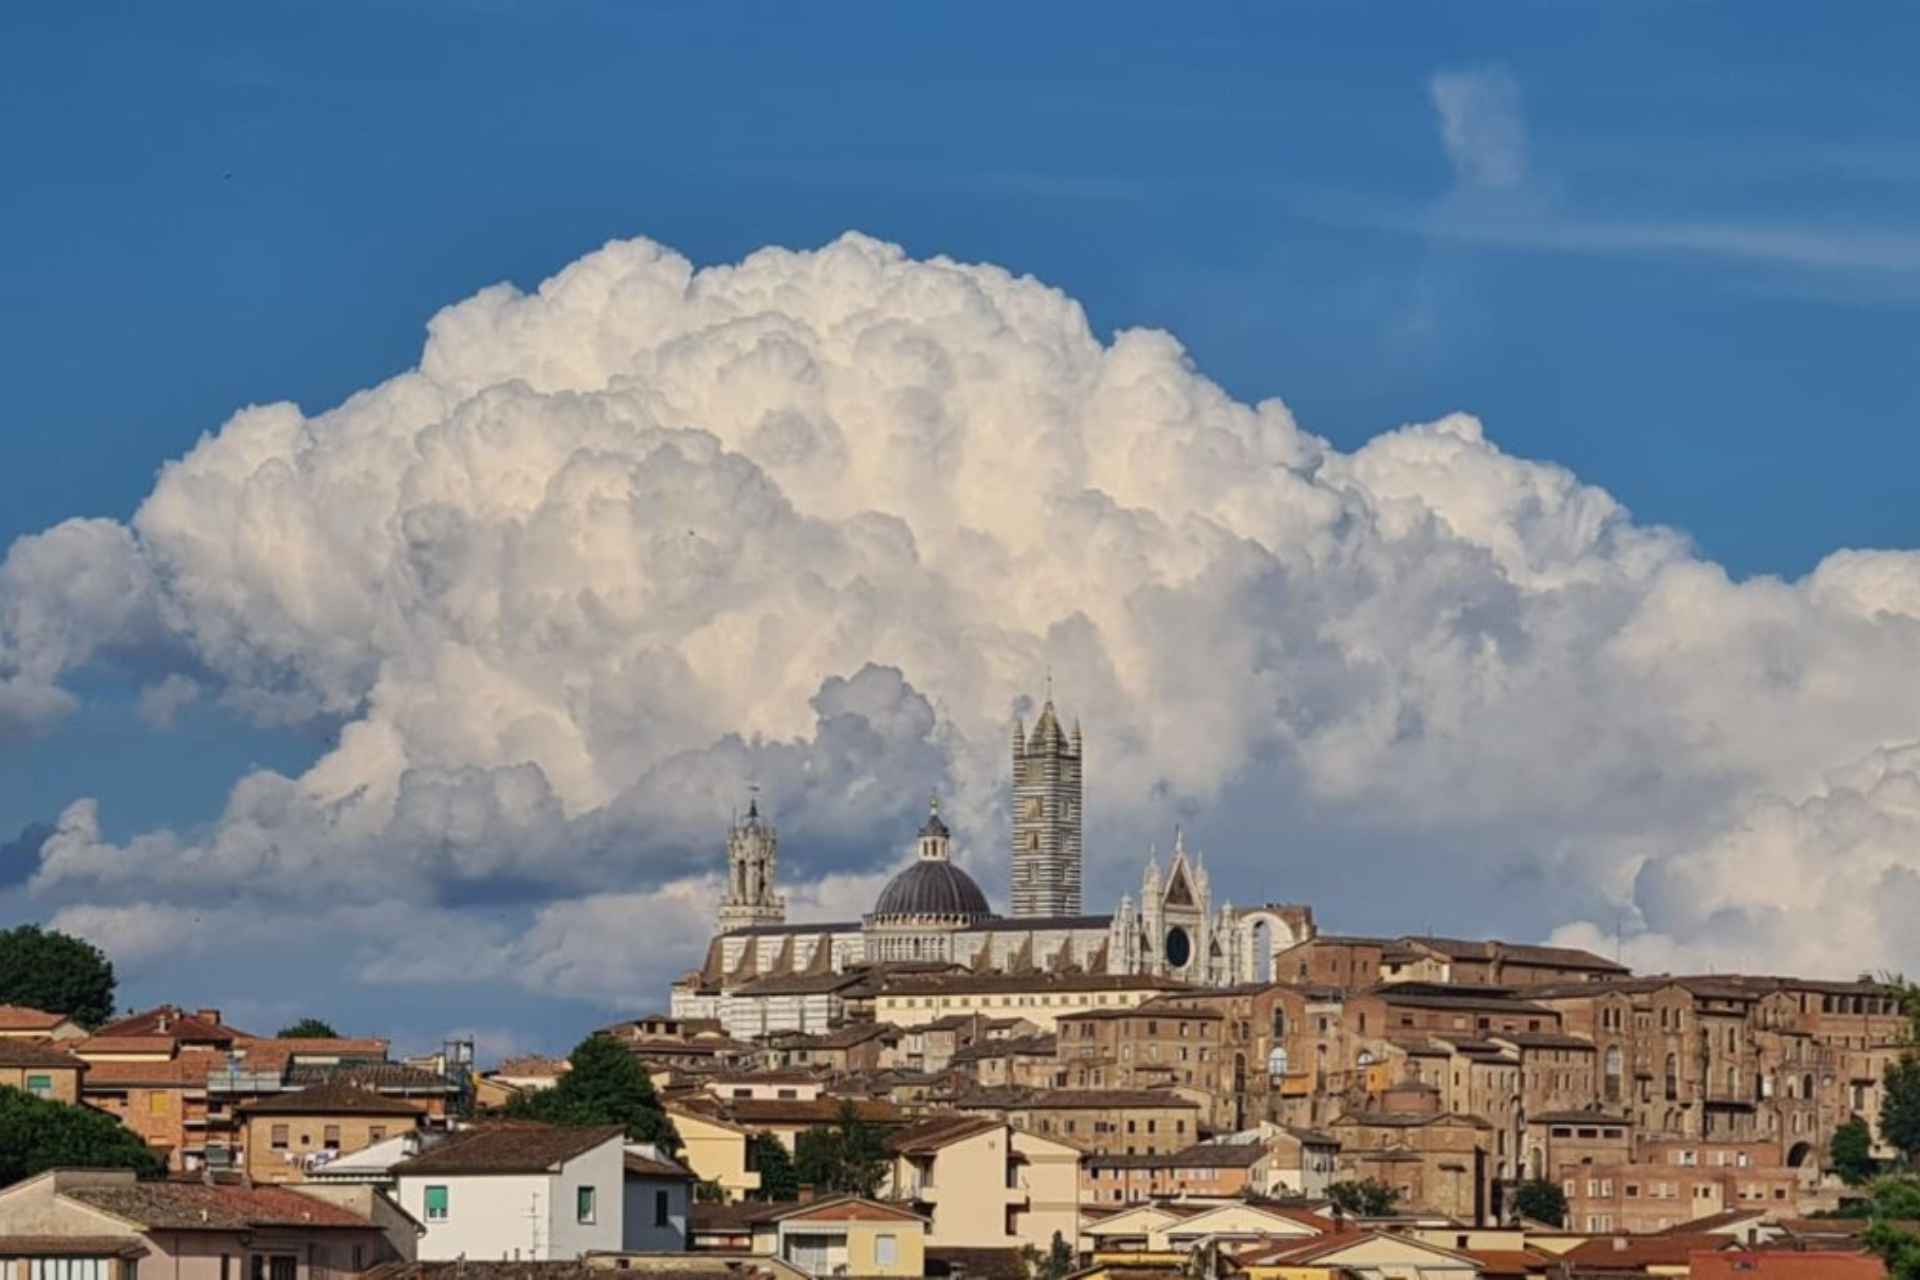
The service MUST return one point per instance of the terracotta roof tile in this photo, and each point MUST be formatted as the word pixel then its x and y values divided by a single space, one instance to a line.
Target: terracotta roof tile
pixel 31 1053
pixel 188 1071
pixel 19 1017
pixel 71 1247
pixel 192 1206
pixel 337 1098
pixel 508 1149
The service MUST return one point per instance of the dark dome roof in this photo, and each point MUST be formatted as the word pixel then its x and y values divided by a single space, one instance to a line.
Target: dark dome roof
pixel 932 887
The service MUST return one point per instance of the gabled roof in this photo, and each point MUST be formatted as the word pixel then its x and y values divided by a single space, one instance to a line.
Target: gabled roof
pixel 509 1149
pixel 175 1023
pixel 940 1131
pixel 739 1217
pixel 1623 1252
pixel 19 1017
pixel 27 1053
pixel 193 1206
pixel 337 1098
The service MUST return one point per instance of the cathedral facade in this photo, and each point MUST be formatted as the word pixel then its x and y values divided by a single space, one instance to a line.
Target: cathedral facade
pixel 934 912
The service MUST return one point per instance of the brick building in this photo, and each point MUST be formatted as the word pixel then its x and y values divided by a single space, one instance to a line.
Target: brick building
pixel 1109 1121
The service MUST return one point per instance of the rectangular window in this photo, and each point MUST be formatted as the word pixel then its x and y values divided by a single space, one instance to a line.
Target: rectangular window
pixel 885 1253
pixel 583 1204
pixel 157 1104
pixel 330 1137
pixel 67 1269
pixel 660 1207
pixel 279 1138
pixel 283 1267
pixel 436 1204
pixel 40 1086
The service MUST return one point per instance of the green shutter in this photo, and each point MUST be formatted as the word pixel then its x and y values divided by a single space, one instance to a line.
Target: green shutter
pixel 40 1084
pixel 436 1203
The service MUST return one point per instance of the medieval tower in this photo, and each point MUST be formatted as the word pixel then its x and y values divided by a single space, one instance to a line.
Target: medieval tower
pixel 752 851
pixel 1046 817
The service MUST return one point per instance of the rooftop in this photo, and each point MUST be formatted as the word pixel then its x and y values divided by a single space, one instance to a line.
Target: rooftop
pixel 334 1098
pixel 509 1149
pixel 194 1206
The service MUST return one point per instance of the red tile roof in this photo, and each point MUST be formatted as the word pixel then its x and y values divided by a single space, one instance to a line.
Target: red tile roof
pixel 1785 1264
pixel 31 1053
pixel 509 1149
pixel 175 1023
pixel 18 1017
pixel 186 1072
pixel 193 1206
pixel 332 1100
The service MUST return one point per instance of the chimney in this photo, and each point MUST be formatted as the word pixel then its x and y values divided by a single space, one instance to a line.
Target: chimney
pixel 805 1193
pixel 208 1015
pixel 1619 1244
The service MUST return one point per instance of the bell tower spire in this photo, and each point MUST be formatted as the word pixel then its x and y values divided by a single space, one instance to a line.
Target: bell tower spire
pixel 1047 839
pixel 753 854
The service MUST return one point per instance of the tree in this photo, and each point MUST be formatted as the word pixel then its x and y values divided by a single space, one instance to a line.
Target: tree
pixel 605 1085
pixel 50 970
pixel 848 1156
pixel 1894 1201
pixel 1370 1198
pixel 1542 1201
pixel 1900 1106
pixel 37 1134
pixel 1059 1258
pixel 309 1029
pixel 778 1178
pixel 1851 1153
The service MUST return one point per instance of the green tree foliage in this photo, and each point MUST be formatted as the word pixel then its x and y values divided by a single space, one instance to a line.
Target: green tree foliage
pixel 1542 1201
pixel 37 1134
pixel 1370 1198
pixel 848 1156
pixel 309 1029
pixel 606 1085
pixel 46 969
pixel 1894 1201
pixel 779 1180
pixel 1059 1258
pixel 1900 1106
pixel 1851 1152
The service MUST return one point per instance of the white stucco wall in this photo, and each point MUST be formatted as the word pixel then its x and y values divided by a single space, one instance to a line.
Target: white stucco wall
pixel 640 1231
pixel 527 1216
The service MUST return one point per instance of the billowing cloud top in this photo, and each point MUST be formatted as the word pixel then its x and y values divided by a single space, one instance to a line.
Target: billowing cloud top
pixel 820 520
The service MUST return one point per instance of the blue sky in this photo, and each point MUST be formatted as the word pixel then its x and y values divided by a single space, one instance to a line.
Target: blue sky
pixel 1669 247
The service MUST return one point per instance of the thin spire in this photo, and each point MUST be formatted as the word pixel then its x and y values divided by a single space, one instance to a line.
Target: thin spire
pixel 1049 684
pixel 753 805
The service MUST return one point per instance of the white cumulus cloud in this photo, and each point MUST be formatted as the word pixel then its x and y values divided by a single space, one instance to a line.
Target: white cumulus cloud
pixel 821 520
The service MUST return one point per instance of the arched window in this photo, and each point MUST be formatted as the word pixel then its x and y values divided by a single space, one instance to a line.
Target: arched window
pixel 1673 1077
pixel 1615 1068
pixel 1279 1023
pixel 1806 1087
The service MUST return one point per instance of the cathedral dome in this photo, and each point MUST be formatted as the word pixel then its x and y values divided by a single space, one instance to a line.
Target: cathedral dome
pixel 932 887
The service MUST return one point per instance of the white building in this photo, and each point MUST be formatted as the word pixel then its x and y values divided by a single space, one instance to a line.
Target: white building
pixel 527 1194
pixel 657 1199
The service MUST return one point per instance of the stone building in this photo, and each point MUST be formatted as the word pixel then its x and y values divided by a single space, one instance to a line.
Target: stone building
pixel 934 912
pixel 1047 840
pixel 1114 1121
pixel 753 854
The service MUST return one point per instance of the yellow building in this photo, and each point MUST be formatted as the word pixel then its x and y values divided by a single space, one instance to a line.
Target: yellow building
pixel 718 1151
pixel 985 1184
pixel 844 1236
pixel 41 1070
pixel 290 1134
